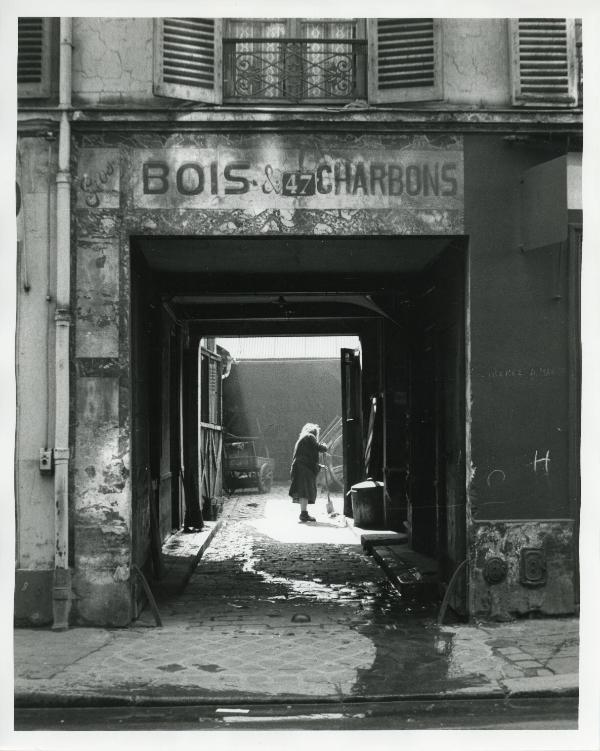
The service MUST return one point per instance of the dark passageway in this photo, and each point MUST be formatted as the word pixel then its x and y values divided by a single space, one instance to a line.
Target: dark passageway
pixel 402 396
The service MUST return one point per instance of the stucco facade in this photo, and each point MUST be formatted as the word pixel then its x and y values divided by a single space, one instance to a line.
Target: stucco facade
pixel 512 390
pixel 113 59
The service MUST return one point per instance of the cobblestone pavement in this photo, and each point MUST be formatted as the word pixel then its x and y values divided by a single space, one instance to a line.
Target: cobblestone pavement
pixel 276 608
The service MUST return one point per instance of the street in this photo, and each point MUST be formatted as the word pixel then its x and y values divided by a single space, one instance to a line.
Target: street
pixel 289 625
pixel 556 713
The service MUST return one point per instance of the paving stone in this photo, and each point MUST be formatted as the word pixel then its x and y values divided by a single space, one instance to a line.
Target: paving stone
pixel 231 631
pixel 511 671
pixel 563 665
pixel 509 651
pixel 527 663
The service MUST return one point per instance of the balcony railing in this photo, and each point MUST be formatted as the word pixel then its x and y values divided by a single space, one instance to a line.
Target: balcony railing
pixel 294 70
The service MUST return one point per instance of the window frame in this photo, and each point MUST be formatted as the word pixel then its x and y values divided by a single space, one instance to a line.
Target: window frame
pixel 293 27
pixel 366 31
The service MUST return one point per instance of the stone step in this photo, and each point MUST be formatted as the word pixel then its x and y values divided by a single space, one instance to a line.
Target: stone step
pixel 414 575
pixel 368 539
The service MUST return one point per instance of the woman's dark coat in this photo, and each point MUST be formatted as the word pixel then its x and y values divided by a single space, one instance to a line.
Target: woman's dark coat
pixel 305 467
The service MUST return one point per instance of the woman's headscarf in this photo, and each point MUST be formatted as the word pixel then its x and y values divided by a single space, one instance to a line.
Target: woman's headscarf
pixel 312 428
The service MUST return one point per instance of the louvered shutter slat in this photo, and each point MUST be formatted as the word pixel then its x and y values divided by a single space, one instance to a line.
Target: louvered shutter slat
pixel 174 66
pixel 33 60
pixel 205 40
pixel 405 60
pixel 412 43
pixel 387 37
pixel 543 54
pixel 188 59
pixel 403 50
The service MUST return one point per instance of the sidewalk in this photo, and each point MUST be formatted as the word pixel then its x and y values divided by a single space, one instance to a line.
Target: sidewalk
pixel 278 611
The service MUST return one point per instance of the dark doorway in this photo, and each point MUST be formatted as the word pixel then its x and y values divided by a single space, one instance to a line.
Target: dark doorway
pixel 405 300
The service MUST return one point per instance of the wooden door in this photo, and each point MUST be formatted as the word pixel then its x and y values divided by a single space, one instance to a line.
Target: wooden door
pixel 351 423
pixel 210 444
pixel 193 517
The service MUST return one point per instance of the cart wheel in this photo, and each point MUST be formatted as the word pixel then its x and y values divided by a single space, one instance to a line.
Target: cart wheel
pixel 265 478
pixel 335 462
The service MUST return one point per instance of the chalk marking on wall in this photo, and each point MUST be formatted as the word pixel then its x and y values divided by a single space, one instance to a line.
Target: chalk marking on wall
pixel 501 478
pixel 544 460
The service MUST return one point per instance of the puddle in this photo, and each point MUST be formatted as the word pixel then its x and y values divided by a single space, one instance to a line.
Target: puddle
pixel 262 557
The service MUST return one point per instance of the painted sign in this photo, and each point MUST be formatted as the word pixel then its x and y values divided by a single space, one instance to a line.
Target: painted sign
pixel 98 179
pixel 275 176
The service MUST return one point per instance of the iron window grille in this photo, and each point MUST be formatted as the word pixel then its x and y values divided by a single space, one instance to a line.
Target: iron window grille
pixel 286 67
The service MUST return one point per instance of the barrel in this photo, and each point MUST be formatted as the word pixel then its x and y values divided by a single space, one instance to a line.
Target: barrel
pixel 367 504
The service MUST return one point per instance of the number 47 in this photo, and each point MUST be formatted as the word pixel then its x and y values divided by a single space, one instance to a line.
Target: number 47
pixel 299 184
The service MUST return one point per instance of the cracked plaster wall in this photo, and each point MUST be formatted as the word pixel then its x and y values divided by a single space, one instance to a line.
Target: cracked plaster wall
pixel 34 350
pixel 113 61
pixel 476 61
pixel 505 540
pixel 101 485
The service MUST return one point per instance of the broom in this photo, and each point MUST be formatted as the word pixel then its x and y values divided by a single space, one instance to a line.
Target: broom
pixel 329 507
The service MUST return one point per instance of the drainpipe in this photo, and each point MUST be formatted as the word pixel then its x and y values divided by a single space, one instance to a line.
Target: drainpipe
pixel 61 592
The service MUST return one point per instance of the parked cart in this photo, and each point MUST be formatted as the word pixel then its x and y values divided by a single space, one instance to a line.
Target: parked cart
pixel 247 464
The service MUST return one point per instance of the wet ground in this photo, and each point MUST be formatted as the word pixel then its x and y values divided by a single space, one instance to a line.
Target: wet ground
pixel 303 610
pixel 280 612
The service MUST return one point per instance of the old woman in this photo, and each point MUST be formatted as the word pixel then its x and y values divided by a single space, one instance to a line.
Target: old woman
pixel 305 468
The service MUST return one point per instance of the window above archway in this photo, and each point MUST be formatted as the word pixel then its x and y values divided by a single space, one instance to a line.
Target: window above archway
pixel 298 61
pixel 294 60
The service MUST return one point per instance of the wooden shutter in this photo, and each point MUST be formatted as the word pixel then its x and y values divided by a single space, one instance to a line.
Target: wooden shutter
pixel 188 59
pixel 33 61
pixel 544 63
pixel 405 60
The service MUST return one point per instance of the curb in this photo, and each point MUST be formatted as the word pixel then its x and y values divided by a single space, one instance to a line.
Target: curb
pixel 178 574
pixel 55 700
pixel 195 560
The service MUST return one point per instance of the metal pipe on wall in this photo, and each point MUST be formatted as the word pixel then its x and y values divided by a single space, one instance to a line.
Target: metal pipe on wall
pixel 50 138
pixel 61 593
